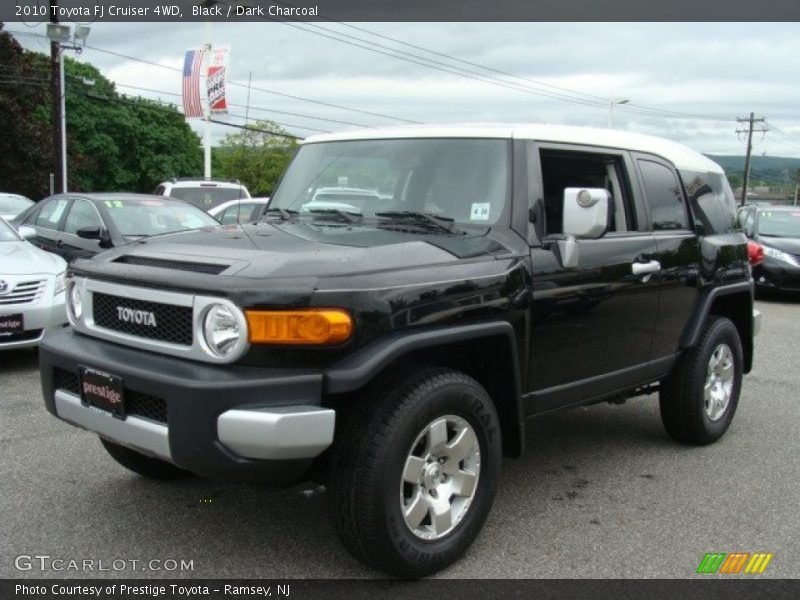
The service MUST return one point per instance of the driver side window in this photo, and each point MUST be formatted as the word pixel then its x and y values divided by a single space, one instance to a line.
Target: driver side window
pixel 82 214
pixel 567 169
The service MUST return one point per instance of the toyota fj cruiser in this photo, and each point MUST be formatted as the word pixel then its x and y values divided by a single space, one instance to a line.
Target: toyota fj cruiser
pixel 393 346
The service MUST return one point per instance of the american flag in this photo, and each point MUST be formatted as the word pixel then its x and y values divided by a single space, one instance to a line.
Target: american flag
pixel 192 65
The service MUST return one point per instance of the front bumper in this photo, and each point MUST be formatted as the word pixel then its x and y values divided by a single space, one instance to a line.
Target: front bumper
pixel 223 422
pixel 44 316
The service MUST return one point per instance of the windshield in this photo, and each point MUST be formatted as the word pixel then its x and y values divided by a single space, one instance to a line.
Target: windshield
pixel 779 223
pixel 7 233
pixel 154 216
pixel 13 205
pixel 207 197
pixel 466 180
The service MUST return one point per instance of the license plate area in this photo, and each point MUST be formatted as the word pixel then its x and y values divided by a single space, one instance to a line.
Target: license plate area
pixel 11 324
pixel 103 391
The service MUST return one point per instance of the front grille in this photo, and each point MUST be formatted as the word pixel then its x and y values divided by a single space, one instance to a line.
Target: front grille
pixel 160 263
pixel 22 336
pixel 145 405
pixel 173 324
pixel 64 380
pixel 25 292
pixel 136 403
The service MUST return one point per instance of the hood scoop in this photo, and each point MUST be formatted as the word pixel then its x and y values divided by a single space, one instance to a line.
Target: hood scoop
pixel 162 263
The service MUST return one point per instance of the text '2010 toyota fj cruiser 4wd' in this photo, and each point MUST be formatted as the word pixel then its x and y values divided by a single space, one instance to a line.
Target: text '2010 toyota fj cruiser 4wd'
pixel 393 340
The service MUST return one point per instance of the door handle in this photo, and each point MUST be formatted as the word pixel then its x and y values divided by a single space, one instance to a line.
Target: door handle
pixel 652 266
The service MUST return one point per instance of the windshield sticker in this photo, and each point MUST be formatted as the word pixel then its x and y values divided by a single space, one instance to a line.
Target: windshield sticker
pixel 480 211
pixel 113 203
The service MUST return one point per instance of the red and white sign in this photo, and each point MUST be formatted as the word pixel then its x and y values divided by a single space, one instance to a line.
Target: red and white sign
pixel 215 78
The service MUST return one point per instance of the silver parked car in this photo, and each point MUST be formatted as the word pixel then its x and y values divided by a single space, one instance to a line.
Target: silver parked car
pixel 31 290
pixel 12 205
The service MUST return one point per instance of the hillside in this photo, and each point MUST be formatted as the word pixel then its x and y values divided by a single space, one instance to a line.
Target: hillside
pixel 767 169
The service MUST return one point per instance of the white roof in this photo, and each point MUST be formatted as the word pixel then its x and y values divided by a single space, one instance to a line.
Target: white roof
pixel 678 154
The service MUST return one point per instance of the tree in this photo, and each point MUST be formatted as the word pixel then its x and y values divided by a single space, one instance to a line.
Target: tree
pixel 114 142
pixel 256 156
pixel 25 143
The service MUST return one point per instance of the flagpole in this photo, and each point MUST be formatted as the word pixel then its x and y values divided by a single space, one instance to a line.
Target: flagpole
pixel 207 132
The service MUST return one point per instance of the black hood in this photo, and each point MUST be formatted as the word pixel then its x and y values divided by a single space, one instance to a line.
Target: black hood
pixel 301 249
pixel 787 244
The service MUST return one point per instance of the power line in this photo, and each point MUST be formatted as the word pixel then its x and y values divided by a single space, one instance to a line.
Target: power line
pixel 271 110
pixel 568 96
pixel 236 83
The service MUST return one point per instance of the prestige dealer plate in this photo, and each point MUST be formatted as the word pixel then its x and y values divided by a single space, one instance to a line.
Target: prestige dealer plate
pixel 103 390
pixel 11 324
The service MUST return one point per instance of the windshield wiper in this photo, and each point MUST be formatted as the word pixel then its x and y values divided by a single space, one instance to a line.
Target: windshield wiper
pixel 285 213
pixel 350 217
pixel 445 223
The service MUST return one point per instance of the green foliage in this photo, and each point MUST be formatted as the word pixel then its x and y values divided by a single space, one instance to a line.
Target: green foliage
pixel 114 142
pixel 25 134
pixel 256 158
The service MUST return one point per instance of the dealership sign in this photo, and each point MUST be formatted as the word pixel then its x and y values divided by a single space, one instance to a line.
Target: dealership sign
pixel 215 78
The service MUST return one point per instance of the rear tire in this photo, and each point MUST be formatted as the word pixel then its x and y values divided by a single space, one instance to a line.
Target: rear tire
pixel 699 398
pixel 414 469
pixel 141 464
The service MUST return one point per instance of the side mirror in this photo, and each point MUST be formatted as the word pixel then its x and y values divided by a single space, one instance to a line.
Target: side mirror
pixel 586 212
pixel 95 233
pixel 585 216
pixel 26 232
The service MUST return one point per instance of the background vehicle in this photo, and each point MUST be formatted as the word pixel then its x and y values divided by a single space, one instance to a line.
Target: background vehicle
pixel 776 231
pixel 81 225
pixel 495 274
pixel 12 205
pixel 239 211
pixel 31 291
pixel 203 193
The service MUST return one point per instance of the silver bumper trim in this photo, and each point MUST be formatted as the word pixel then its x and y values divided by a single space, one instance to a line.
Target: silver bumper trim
pixel 756 322
pixel 143 435
pixel 277 433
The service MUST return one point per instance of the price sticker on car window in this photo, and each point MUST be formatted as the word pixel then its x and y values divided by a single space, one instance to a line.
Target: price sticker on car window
pixel 480 211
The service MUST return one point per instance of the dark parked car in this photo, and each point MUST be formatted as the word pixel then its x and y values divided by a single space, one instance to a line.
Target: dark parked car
pixel 394 349
pixel 78 225
pixel 774 245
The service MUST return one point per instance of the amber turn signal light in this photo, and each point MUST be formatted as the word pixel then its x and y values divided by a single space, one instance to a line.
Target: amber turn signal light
pixel 313 326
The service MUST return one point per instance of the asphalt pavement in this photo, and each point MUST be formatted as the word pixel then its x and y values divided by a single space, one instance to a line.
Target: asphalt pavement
pixel 601 492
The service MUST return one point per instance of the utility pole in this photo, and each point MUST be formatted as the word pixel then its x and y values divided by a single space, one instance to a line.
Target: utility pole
pixel 751 121
pixel 57 91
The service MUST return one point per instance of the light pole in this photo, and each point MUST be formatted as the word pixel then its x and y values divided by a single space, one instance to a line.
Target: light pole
pixel 60 35
pixel 611 103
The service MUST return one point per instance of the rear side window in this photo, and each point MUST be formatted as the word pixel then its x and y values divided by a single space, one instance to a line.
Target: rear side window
pixel 50 215
pixel 711 200
pixel 664 196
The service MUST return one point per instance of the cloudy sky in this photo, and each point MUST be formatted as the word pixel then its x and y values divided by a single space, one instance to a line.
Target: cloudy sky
pixel 685 81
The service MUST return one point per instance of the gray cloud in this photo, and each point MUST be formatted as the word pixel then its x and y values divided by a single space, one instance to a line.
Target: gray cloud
pixel 717 69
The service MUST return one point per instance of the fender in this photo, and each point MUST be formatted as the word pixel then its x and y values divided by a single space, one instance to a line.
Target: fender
pixel 356 371
pixel 694 328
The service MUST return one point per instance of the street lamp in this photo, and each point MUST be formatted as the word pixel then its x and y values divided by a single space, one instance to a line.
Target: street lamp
pixel 611 103
pixel 60 35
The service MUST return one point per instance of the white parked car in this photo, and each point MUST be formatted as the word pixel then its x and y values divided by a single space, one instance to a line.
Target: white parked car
pixel 31 290
pixel 12 205
pixel 203 193
pixel 239 211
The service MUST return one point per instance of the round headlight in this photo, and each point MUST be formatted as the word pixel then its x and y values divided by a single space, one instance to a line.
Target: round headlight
pixel 74 302
pixel 222 330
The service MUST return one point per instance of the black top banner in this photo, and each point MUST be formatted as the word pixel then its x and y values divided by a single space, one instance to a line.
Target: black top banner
pixel 400 10
pixel 359 589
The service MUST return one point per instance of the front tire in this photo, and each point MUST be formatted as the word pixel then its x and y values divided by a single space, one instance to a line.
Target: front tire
pixel 141 464
pixel 699 399
pixel 414 471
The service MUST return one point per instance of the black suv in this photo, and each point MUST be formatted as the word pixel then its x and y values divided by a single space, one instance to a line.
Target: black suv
pixel 392 344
